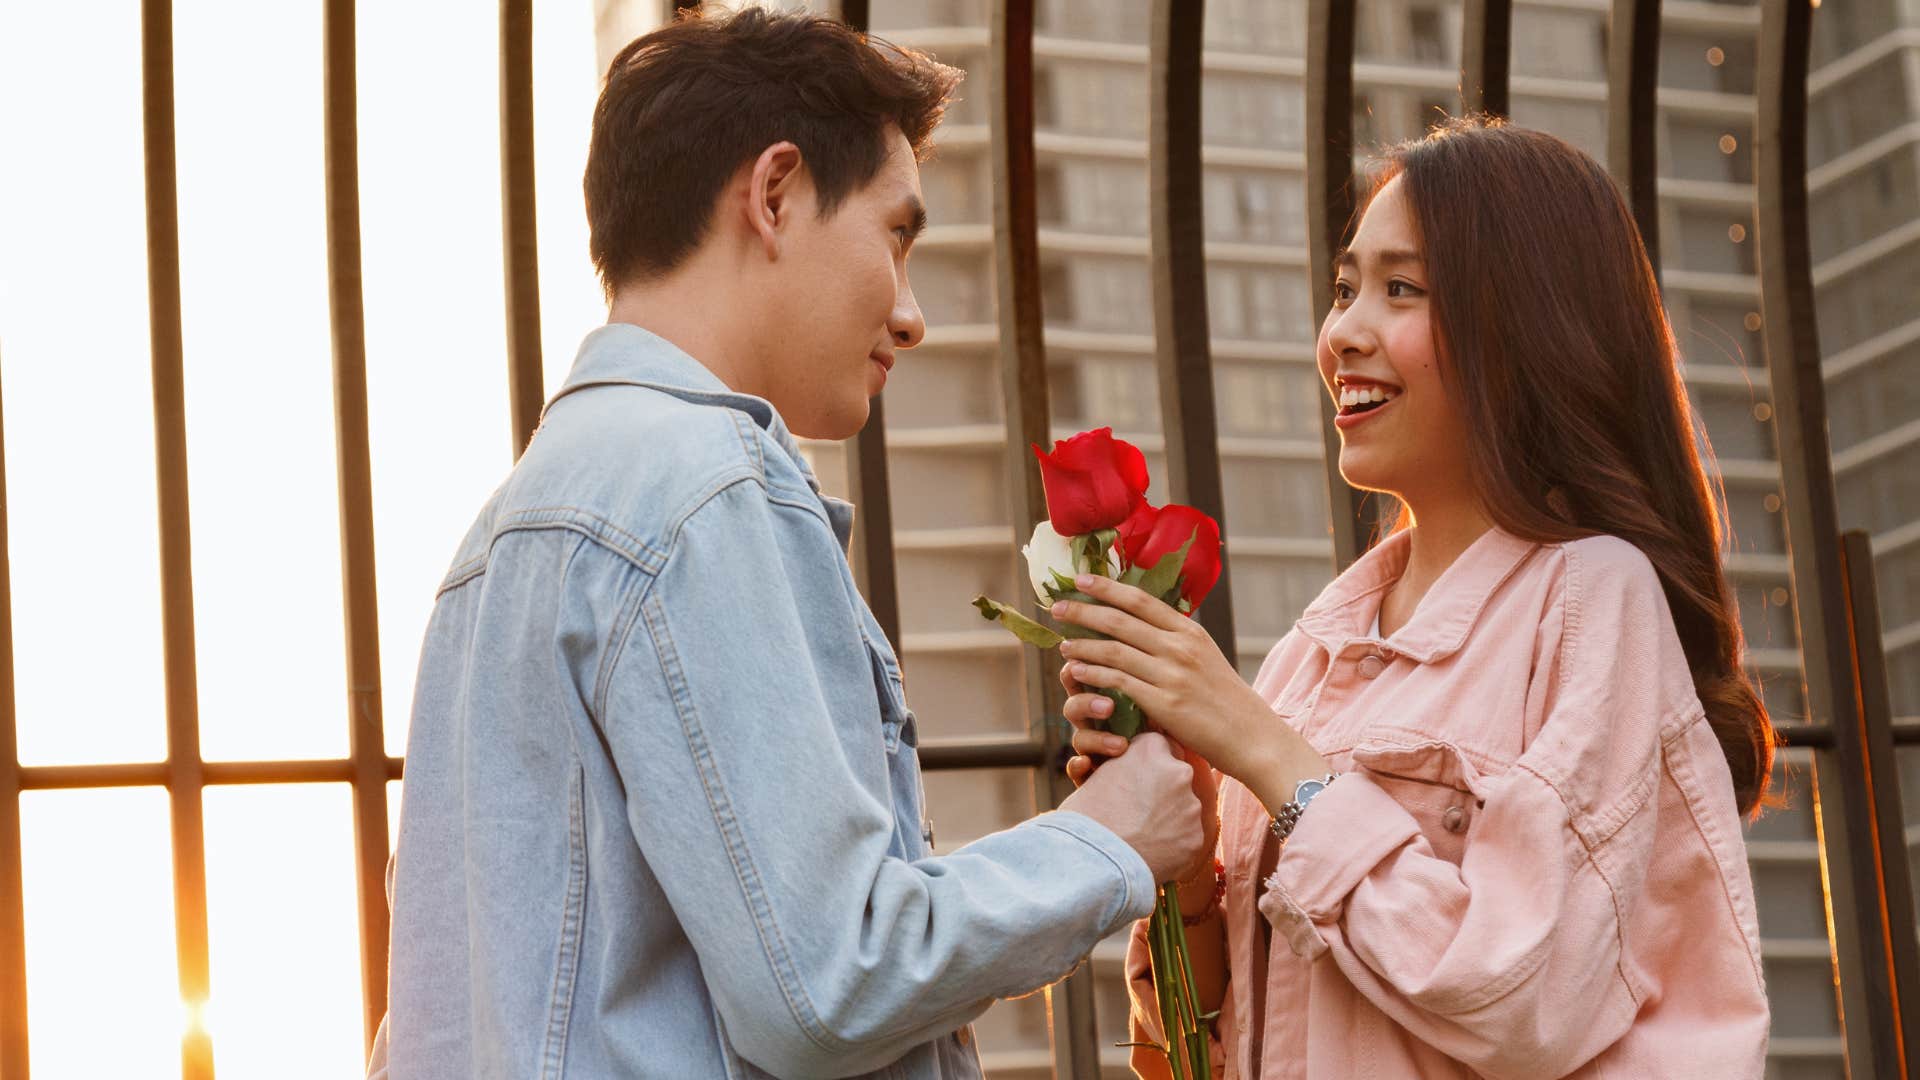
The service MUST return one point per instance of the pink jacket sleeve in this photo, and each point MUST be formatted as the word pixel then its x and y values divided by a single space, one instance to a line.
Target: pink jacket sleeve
pixel 1512 960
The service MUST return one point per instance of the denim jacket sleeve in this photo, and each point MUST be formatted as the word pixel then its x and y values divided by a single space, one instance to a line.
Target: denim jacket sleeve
pixel 738 704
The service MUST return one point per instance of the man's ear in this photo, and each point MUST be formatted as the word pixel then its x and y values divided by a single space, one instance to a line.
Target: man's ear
pixel 774 188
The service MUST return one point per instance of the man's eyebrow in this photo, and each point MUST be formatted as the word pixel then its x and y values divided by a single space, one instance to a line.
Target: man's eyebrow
pixel 918 224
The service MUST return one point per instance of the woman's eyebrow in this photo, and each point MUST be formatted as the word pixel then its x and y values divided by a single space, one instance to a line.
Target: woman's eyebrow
pixel 1392 257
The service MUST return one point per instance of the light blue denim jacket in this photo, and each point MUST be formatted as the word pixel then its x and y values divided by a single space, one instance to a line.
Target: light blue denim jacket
pixel 663 815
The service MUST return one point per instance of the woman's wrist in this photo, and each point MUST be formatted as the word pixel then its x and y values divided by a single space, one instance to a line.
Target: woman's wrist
pixel 1273 775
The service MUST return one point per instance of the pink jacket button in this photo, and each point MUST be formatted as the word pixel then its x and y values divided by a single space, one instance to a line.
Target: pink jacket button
pixel 1455 819
pixel 1371 666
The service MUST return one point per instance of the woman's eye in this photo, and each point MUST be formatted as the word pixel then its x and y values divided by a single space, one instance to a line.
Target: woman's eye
pixel 1342 292
pixel 1402 289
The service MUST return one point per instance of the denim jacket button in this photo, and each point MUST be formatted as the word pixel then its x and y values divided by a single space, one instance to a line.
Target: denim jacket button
pixel 926 832
pixel 1455 819
pixel 1371 666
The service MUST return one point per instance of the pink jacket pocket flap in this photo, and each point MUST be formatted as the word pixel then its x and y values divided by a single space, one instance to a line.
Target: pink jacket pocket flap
pixel 1430 761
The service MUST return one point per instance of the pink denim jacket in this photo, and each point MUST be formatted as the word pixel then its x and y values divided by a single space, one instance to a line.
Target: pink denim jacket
pixel 1532 866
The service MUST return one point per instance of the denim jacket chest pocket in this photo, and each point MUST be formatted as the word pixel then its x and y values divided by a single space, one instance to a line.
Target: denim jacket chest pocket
pixel 1433 780
pixel 897 722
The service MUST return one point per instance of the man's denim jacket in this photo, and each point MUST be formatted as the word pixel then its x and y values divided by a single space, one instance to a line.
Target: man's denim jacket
pixel 663 815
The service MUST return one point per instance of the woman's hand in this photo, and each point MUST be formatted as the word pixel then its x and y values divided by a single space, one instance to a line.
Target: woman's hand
pixel 1086 712
pixel 1183 685
pixel 1169 665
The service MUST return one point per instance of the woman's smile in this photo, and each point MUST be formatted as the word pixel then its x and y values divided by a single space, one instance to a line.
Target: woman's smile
pixel 1358 401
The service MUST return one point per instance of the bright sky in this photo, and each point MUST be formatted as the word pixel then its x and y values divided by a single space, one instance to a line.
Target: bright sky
pixel 74 364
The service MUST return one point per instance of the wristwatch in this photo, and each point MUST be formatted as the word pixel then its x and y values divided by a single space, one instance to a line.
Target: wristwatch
pixel 1285 818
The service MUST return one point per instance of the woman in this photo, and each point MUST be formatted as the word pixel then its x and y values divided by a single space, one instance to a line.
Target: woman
pixel 1483 803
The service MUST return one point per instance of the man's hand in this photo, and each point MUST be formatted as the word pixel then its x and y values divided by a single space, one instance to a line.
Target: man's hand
pixel 1146 797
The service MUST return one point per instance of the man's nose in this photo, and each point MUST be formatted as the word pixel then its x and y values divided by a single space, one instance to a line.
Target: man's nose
pixel 906 323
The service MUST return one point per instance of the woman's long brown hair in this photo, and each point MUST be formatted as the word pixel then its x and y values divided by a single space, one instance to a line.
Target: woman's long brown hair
pixel 1548 315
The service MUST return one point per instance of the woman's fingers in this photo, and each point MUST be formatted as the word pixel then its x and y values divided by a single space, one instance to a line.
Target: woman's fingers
pixel 1133 600
pixel 1113 622
pixel 1092 743
pixel 1113 654
pixel 1108 678
pixel 1079 767
pixel 1088 710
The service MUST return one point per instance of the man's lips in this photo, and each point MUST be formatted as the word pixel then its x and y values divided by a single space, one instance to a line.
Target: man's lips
pixel 885 360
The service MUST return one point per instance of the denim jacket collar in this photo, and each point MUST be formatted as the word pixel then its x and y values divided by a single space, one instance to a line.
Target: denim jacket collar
pixel 622 354
pixel 1445 616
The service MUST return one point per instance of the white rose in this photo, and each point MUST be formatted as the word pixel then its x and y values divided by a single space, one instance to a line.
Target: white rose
pixel 1048 552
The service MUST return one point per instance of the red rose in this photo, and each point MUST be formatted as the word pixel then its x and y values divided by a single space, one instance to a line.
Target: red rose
pixel 1093 481
pixel 1150 534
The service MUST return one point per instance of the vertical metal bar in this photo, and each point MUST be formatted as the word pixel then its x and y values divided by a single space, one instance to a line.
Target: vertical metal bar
pixel 359 598
pixel 13 920
pixel 1023 384
pixel 1800 425
pixel 1487 30
pixel 517 219
pixel 1881 779
pixel 874 569
pixel 184 777
pixel 1330 205
pixel 1633 82
pixel 855 13
pixel 1182 345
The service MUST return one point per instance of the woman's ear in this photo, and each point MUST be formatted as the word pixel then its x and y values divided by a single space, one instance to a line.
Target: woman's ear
pixel 773 190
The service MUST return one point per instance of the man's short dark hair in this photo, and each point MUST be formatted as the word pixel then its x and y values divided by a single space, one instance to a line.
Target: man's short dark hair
pixel 685 106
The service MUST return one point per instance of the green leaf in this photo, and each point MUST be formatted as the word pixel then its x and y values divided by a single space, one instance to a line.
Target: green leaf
pixel 1165 575
pixel 1062 582
pixel 1127 719
pixel 1133 575
pixel 1017 624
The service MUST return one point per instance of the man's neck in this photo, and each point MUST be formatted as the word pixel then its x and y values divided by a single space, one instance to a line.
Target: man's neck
pixel 681 308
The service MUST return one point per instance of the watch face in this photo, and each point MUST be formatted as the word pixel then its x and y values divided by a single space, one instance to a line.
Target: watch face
pixel 1307 790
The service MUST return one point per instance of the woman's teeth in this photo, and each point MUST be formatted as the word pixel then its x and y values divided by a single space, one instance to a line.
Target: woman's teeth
pixel 1359 399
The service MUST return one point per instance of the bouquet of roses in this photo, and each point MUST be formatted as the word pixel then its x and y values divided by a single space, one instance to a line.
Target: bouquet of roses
pixel 1099 522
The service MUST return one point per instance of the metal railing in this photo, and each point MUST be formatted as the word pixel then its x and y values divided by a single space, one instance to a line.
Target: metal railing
pixel 1862 830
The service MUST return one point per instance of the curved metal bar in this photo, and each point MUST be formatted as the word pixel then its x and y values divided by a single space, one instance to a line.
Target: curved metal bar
pixel 1847 817
pixel 1633 84
pixel 517 219
pixel 359 597
pixel 13 917
pixel 1182 343
pixel 1330 206
pixel 1023 388
pixel 176 549
pixel 874 567
pixel 1485 54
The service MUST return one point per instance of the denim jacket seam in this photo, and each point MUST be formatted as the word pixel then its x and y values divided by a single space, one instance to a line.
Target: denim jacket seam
pixel 746 874
pixel 1125 882
pixel 566 968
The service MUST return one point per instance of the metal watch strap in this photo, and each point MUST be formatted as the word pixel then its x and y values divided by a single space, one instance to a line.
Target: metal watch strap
pixel 1285 818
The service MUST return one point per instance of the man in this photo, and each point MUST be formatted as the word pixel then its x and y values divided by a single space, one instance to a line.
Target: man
pixel 663 814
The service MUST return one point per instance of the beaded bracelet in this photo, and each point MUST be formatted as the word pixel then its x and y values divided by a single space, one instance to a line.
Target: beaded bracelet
pixel 1213 902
